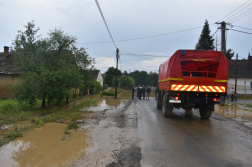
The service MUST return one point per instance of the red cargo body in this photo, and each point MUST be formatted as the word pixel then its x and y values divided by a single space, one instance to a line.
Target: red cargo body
pixel 195 71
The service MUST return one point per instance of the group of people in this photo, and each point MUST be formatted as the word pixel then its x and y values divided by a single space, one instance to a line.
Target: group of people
pixel 233 95
pixel 141 92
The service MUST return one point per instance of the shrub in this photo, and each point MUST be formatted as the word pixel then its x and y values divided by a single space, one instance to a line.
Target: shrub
pixel 72 125
pixel 39 122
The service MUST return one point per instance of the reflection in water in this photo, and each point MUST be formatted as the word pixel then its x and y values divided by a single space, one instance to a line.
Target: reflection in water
pixel 43 147
pixel 107 104
pixel 230 112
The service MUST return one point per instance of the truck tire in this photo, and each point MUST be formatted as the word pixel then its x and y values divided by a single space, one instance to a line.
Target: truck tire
pixel 204 114
pixel 167 107
pixel 159 100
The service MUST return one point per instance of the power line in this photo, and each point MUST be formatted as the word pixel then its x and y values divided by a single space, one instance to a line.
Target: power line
pixel 104 21
pixel 238 11
pixel 105 58
pixel 242 27
pixel 241 31
pixel 144 37
pixel 126 53
pixel 241 17
pixel 240 14
pixel 234 10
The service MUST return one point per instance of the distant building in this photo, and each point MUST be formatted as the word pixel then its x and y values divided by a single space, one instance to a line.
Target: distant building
pixel 244 75
pixel 97 76
pixel 8 76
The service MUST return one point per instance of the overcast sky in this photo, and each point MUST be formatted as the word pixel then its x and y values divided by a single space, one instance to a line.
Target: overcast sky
pixel 129 19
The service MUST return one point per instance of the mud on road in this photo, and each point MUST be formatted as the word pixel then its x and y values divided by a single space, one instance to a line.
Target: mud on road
pixel 115 138
pixel 137 134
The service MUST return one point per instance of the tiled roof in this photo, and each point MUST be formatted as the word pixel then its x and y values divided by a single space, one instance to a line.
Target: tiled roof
pixel 244 69
pixel 7 63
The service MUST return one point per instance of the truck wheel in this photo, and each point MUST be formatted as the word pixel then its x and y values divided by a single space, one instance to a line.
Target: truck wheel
pixel 204 114
pixel 159 100
pixel 167 110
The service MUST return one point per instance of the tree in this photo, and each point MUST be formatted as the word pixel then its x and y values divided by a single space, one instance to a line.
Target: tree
pixel 49 66
pixel 206 41
pixel 217 42
pixel 110 74
pixel 126 81
pixel 229 54
pixel 152 79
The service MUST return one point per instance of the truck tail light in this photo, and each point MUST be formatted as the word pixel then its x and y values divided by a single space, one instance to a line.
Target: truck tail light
pixel 216 99
pixel 175 98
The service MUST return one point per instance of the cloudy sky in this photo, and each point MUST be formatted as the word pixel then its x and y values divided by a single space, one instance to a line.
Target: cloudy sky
pixel 130 19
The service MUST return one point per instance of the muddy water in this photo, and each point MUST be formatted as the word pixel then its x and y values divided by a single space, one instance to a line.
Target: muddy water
pixel 231 112
pixel 44 147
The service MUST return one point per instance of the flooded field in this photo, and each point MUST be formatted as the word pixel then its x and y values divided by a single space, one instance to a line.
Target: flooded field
pixel 45 146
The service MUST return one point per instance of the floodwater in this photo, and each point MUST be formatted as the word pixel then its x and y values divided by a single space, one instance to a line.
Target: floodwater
pixel 45 146
pixel 231 112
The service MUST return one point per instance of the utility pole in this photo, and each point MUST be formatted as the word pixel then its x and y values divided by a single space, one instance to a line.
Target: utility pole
pixel 236 62
pixel 223 36
pixel 117 56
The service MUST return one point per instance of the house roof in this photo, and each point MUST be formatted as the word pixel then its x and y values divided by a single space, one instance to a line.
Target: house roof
pixel 244 69
pixel 7 63
pixel 95 73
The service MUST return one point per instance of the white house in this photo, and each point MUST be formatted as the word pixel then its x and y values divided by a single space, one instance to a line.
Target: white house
pixel 244 76
pixel 98 76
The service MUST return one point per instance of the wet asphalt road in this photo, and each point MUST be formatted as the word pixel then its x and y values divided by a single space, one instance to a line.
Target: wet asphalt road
pixel 186 140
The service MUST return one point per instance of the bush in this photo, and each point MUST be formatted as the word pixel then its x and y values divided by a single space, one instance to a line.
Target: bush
pixel 72 125
pixel 39 122
pixel 13 135
pixel 110 92
pixel 95 87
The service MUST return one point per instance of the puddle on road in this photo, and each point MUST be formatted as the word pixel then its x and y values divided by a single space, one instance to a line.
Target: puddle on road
pixel 44 147
pixel 230 112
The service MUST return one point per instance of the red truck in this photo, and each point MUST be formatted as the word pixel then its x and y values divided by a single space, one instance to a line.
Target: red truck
pixel 192 79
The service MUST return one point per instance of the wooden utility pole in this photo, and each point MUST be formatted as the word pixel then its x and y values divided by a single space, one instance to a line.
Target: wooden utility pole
pixel 236 63
pixel 117 56
pixel 223 37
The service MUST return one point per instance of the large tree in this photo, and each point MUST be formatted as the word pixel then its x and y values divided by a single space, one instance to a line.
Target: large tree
pixel 110 74
pixel 49 67
pixel 206 41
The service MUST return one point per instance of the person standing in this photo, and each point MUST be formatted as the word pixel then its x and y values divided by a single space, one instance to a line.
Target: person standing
pixel 133 91
pixel 143 90
pixel 232 94
pixel 155 91
pixel 140 92
pixel 148 90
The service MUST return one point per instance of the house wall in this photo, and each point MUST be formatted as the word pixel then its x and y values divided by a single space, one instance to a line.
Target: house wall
pixel 240 89
pixel 100 78
pixel 7 79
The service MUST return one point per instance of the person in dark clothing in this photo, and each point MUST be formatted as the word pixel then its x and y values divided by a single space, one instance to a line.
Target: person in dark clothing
pixel 148 90
pixel 140 92
pixel 133 91
pixel 143 90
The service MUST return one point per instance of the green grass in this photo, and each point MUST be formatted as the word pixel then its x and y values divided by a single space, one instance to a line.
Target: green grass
pixel 14 134
pixel 248 105
pixel 66 132
pixel 38 122
pixel 72 125
pixel 110 92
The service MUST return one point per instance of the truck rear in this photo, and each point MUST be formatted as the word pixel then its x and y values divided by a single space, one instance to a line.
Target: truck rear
pixel 192 79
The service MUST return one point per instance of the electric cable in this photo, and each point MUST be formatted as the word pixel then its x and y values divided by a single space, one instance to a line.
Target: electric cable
pixel 234 10
pixel 132 39
pixel 242 27
pixel 238 12
pixel 105 21
pixel 241 31
pixel 240 15
pixel 126 53
pixel 105 58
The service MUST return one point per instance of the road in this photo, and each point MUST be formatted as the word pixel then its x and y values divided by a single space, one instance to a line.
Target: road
pixel 138 135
